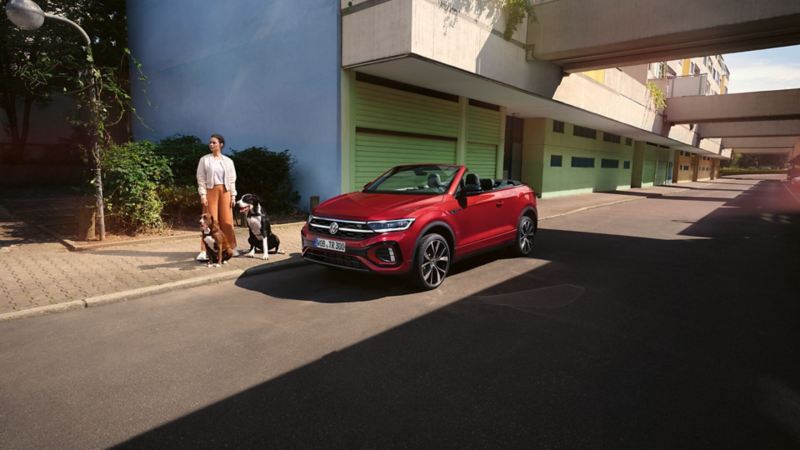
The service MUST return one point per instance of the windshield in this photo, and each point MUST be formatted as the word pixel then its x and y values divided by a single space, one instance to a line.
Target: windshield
pixel 430 179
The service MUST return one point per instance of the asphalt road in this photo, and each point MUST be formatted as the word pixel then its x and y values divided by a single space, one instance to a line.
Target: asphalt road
pixel 668 322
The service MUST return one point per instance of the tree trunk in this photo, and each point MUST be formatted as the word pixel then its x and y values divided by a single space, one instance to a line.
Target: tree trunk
pixel 94 147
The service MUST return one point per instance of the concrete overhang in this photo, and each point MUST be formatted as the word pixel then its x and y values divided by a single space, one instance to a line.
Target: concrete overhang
pixel 749 106
pixel 422 72
pixel 763 151
pixel 584 35
pixel 763 128
pixel 761 142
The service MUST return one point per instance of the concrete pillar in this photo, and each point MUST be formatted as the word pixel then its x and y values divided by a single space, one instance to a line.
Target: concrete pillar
pixel 638 163
pixel 461 143
pixel 501 144
pixel 533 141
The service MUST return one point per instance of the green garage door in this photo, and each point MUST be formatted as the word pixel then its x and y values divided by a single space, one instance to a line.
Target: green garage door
pixel 483 134
pixel 400 125
pixel 376 152
pixel 482 159
pixel 649 172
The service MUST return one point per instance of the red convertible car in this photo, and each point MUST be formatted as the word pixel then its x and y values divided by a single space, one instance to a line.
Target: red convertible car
pixel 418 220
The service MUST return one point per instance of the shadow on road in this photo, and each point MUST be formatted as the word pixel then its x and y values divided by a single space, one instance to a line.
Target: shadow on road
pixel 663 344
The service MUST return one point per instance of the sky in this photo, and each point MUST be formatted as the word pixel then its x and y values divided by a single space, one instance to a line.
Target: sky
pixel 764 70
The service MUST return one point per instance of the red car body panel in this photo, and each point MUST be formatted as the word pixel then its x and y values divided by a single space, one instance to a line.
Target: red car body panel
pixel 472 223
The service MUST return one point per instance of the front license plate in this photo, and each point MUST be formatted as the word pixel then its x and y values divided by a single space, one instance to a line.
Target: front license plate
pixel 328 244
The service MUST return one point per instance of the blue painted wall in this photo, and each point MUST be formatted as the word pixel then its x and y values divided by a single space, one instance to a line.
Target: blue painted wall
pixel 259 72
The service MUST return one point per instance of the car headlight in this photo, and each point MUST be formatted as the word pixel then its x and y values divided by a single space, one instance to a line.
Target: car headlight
pixel 383 226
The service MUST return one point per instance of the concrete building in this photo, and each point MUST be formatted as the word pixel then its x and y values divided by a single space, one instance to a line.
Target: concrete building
pixel 355 88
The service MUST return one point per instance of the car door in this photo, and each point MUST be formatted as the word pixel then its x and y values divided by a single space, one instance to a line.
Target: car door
pixel 480 218
pixel 509 202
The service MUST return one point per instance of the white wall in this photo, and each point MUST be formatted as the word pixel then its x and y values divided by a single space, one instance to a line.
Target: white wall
pixel 462 34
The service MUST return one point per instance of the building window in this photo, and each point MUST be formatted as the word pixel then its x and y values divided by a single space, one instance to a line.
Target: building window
pixel 558 126
pixel 609 163
pixel 555 160
pixel 626 165
pixel 584 132
pixel 628 141
pixel 578 161
pixel 613 138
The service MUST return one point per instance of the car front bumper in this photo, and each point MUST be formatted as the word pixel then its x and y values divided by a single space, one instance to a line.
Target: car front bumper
pixel 370 254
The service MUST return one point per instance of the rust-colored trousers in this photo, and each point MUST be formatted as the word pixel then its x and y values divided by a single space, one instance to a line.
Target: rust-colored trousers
pixel 219 206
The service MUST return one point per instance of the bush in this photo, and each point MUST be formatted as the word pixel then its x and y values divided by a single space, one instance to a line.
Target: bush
pixel 180 198
pixel 266 174
pixel 133 173
pixel 180 203
pixel 183 153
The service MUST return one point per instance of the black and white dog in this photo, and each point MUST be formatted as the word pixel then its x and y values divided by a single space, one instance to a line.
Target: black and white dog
pixel 261 236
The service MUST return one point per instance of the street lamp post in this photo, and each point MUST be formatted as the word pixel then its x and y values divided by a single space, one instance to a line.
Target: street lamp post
pixel 27 15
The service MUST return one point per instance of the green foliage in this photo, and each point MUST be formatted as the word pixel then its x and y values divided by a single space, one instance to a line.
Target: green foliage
pixel 180 203
pixel 746 160
pixel 36 64
pixel 133 175
pixel 749 170
pixel 183 153
pixel 516 11
pixel 266 174
pixel 658 96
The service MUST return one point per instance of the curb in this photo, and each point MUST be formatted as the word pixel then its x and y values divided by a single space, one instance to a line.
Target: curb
pixel 99 300
pixel 42 310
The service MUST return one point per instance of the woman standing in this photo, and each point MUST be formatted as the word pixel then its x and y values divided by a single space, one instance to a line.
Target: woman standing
pixel 216 184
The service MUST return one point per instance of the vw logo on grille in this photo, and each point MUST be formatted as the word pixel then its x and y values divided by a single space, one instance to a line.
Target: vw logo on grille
pixel 334 228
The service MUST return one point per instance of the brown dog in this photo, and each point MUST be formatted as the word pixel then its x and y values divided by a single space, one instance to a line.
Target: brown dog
pixel 217 247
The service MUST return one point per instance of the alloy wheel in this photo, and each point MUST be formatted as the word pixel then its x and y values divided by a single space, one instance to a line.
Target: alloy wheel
pixel 434 261
pixel 525 236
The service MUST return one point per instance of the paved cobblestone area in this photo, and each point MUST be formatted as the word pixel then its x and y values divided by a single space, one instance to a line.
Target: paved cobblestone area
pixel 36 270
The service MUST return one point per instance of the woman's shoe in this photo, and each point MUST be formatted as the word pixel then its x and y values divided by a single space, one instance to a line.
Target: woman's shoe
pixel 202 256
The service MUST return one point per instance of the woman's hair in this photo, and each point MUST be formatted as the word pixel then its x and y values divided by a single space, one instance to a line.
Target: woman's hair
pixel 219 138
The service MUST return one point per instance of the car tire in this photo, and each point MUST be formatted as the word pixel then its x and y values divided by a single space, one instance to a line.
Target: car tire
pixel 432 261
pixel 526 231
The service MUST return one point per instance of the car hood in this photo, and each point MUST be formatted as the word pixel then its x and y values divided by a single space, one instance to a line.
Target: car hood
pixel 374 206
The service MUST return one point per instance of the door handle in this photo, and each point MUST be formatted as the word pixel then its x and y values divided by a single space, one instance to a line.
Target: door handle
pixel 499 203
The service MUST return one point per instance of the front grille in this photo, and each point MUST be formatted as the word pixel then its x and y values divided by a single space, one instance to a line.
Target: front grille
pixel 335 259
pixel 348 229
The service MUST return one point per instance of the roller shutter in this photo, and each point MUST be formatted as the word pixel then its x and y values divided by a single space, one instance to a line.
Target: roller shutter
pixel 482 159
pixel 483 134
pixel 394 126
pixel 375 153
